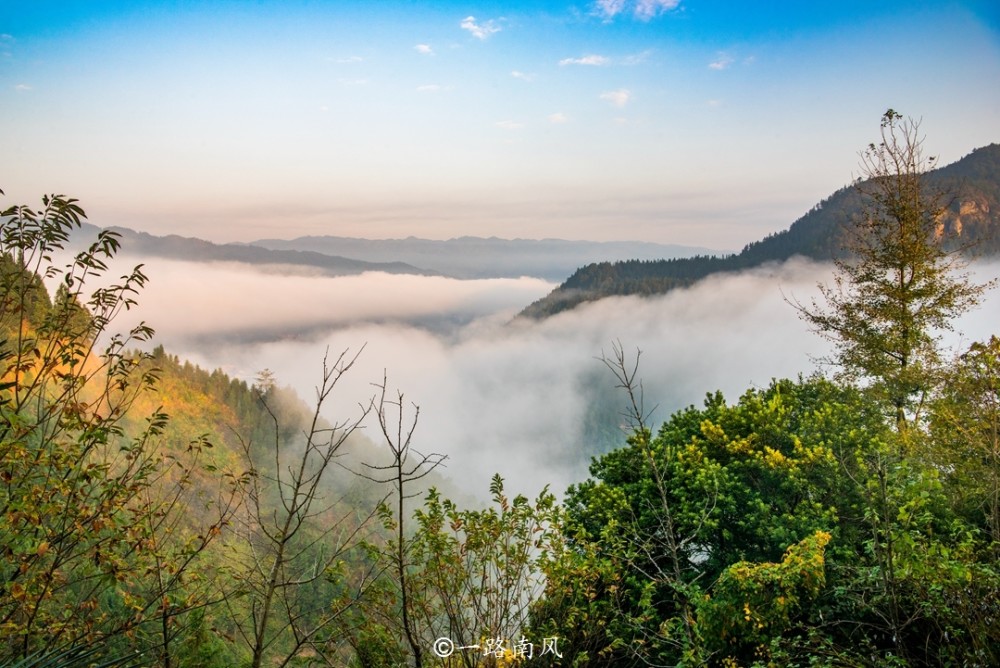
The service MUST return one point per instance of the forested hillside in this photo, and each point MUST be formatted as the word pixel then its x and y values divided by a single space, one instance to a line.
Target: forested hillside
pixel 971 190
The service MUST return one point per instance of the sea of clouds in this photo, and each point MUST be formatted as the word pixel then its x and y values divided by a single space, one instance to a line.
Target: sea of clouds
pixel 528 399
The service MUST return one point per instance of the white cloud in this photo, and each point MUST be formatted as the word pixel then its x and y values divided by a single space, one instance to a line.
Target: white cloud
pixel 510 125
pixel 463 379
pixel 479 30
pixel 22 87
pixel 644 10
pixel 592 59
pixel 648 9
pixel 424 48
pixel 429 88
pixel 558 118
pixel 610 8
pixel 723 61
pixel 618 98
pixel 348 60
pixel 523 76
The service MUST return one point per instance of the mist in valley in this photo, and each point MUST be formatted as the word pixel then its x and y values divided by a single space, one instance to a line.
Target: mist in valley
pixel 527 399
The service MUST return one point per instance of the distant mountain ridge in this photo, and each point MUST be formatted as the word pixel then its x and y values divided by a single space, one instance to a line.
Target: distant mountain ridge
pixel 186 248
pixel 973 214
pixel 478 257
pixel 198 250
pixel 462 258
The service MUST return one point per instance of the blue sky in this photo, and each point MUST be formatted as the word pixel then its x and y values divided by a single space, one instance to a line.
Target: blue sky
pixel 700 122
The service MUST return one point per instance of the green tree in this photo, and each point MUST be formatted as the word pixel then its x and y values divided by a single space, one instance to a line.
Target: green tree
pixel 91 544
pixel 733 484
pixel 900 285
pixel 471 577
pixel 965 429
pixel 794 507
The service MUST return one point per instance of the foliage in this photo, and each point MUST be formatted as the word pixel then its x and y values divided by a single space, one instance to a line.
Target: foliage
pixel 965 422
pixel 471 575
pixel 794 507
pixel 753 602
pixel 91 545
pixel 900 286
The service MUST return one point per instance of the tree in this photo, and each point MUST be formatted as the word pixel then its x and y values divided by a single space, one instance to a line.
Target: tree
pixel 405 467
pixel 965 426
pixel 87 510
pixel 290 540
pixel 899 285
pixel 477 571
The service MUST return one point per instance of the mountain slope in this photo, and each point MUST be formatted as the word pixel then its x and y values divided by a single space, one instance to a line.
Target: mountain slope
pixel 973 184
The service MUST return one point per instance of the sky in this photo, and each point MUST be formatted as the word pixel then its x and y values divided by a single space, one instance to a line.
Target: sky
pixel 676 121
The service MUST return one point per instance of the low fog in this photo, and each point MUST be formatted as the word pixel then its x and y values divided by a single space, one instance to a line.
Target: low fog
pixel 529 400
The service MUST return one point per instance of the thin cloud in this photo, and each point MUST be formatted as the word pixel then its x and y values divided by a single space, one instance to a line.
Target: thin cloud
pixel 510 125
pixel 610 8
pixel 722 62
pixel 644 10
pixel 637 58
pixel 22 87
pixel 349 60
pixel 649 9
pixel 429 88
pixel 558 118
pixel 593 60
pixel 424 49
pixel 619 98
pixel 479 30
pixel 523 76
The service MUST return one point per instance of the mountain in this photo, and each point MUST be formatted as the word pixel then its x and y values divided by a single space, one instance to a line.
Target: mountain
pixel 973 214
pixel 476 257
pixel 197 250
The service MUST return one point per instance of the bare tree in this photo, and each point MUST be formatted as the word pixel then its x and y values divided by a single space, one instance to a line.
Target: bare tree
pixel 406 466
pixel 291 535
